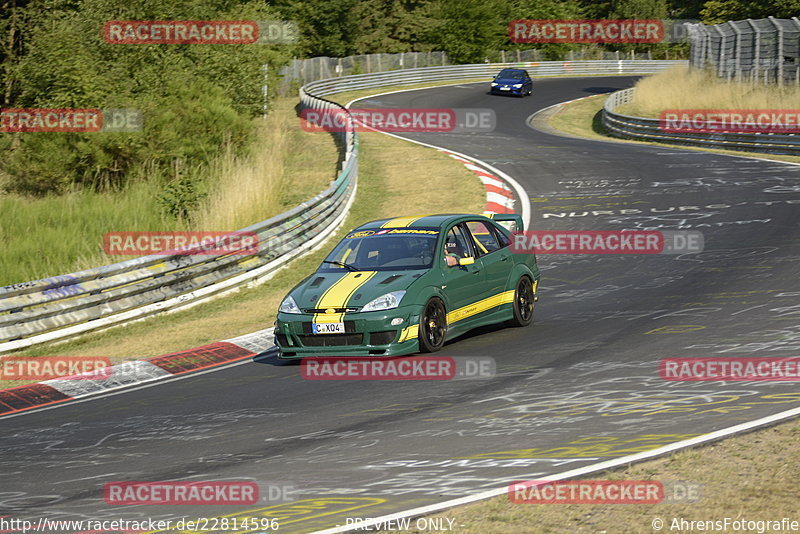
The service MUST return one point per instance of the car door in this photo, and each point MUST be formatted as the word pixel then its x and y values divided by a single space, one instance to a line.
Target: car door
pixel 495 257
pixel 461 284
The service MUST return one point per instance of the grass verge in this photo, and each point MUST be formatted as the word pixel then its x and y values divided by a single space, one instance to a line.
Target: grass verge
pixel 395 178
pixel 749 477
pixel 685 88
pixel 583 118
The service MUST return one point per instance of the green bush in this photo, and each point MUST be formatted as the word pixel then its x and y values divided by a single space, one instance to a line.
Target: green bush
pixel 195 99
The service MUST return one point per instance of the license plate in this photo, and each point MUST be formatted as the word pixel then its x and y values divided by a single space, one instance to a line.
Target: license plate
pixel 505 88
pixel 327 328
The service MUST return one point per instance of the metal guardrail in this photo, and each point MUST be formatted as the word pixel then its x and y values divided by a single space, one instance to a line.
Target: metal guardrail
pixel 72 304
pixel 486 71
pixel 68 305
pixel 641 128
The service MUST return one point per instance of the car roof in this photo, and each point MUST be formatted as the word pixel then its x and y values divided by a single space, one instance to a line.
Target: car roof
pixel 417 221
pixel 513 70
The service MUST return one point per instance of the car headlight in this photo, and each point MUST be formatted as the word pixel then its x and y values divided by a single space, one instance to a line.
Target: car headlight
pixel 289 306
pixel 384 302
pixel 517 85
pixel 494 84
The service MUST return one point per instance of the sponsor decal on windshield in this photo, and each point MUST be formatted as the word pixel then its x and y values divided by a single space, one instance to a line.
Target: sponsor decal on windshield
pixel 394 231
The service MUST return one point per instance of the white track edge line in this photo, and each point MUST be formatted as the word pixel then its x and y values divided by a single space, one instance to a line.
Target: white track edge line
pixel 525 202
pixel 600 466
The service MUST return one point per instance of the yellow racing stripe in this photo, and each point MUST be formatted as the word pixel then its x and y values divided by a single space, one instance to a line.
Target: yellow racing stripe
pixel 402 222
pixel 339 294
pixel 409 332
pixel 480 306
pixel 412 331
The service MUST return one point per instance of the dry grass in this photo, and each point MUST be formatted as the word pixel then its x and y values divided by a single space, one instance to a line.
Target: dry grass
pixel 752 477
pixel 682 88
pixel 284 158
pixel 582 119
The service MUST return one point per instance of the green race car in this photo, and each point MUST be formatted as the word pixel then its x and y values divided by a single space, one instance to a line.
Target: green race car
pixel 406 285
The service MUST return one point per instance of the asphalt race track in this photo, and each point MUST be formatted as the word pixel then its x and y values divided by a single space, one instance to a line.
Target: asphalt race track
pixel 580 385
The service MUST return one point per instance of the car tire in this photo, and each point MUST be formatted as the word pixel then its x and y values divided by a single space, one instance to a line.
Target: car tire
pixel 432 326
pixel 523 303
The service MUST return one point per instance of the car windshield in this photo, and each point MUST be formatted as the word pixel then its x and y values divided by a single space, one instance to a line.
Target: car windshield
pixel 512 74
pixel 383 249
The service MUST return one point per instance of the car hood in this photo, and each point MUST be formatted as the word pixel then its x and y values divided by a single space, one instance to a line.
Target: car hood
pixel 350 289
pixel 508 81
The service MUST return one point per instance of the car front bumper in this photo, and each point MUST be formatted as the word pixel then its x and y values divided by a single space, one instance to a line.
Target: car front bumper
pixel 366 334
pixel 509 91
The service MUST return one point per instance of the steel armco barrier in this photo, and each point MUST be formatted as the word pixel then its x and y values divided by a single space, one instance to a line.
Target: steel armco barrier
pixel 486 71
pixel 69 305
pixel 647 129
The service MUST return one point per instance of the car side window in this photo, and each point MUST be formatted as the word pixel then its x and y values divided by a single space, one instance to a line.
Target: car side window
pixel 456 243
pixel 501 237
pixel 483 237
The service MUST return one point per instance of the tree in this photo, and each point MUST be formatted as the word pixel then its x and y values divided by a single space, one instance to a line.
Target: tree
pixel 719 11
pixel 468 29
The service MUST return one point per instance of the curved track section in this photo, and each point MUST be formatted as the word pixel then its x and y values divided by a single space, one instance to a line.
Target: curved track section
pixel 580 386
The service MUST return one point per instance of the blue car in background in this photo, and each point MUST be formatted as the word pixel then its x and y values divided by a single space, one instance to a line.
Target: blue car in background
pixel 512 82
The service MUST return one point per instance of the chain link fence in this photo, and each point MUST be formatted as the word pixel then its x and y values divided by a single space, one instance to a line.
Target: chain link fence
pixel 761 51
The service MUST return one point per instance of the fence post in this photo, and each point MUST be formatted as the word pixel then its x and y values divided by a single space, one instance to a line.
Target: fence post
pixel 779 72
pixel 738 45
pixel 797 60
pixel 756 51
pixel 721 54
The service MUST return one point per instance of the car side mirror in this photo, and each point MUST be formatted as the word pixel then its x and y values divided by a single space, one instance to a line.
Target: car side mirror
pixel 466 261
